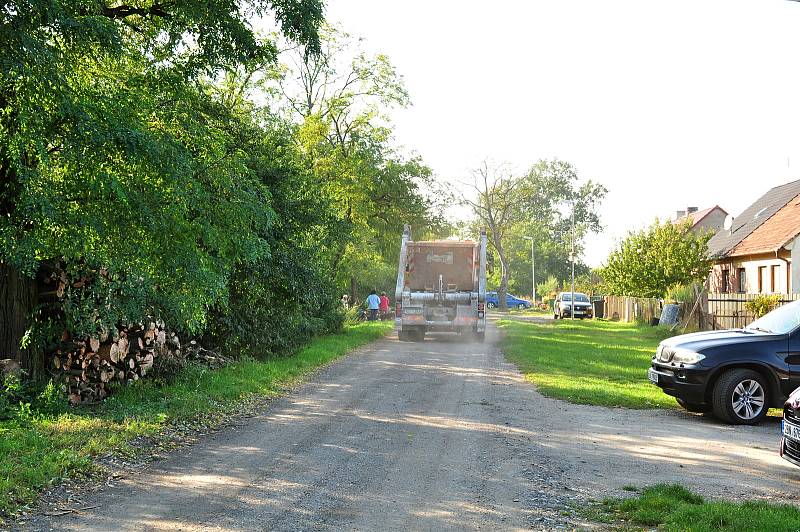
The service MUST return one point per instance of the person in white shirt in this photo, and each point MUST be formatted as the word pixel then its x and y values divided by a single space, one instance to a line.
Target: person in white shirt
pixel 373 304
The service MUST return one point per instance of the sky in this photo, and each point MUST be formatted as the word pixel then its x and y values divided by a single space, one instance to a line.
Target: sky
pixel 667 104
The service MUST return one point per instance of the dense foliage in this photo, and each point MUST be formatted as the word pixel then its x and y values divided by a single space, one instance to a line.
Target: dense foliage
pixel 136 167
pixel 540 206
pixel 647 263
pixel 763 304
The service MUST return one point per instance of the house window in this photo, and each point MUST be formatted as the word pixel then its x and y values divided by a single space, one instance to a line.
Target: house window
pixel 774 276
pixel 762 279
pixel 741 276
pixel 725 288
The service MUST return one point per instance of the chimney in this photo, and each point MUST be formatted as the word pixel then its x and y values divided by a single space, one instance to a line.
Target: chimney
pixel 690 210
pixel 680 214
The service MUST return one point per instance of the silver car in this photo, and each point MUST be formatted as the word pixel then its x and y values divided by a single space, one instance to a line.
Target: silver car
pixel 564 305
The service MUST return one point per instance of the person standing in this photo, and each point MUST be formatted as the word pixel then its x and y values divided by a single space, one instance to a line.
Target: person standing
pixel 373 304
pixel 384 306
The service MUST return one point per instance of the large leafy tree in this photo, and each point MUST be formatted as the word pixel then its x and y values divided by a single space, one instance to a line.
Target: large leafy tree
pixel 492 193
pixel 117 164
pixel 542 204
pixel 341 98
pixel 649 262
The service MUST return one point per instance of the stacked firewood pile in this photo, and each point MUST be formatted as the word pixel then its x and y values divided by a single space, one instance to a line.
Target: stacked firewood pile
pixel 88 367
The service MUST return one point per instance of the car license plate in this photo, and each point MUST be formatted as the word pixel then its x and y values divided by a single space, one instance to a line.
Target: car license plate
pixel 791 431
pixel 652 375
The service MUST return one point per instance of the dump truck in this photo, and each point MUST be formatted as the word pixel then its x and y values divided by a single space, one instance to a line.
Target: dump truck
pixel 441 286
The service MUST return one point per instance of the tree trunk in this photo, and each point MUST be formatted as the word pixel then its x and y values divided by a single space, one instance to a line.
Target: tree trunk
pixel 502 290
pixel 352 290
pixel 17 301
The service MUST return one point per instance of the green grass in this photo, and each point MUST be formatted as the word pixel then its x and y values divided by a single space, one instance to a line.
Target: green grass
pixel 39 450
pixel 588 362
pixel 673 507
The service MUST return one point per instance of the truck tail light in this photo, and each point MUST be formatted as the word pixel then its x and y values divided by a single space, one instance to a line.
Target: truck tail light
pixel 398 310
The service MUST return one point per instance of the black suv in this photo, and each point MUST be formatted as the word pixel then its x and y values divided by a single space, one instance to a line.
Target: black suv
pixel 737 373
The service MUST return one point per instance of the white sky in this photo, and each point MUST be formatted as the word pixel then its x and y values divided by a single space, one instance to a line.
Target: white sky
pixel 667 103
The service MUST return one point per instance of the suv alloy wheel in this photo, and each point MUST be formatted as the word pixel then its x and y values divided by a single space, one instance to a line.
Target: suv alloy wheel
pixel 740 397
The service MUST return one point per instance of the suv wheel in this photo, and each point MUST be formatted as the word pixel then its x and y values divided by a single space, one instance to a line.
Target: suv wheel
pixel 740 397
pixel 521 306
pixel 490 305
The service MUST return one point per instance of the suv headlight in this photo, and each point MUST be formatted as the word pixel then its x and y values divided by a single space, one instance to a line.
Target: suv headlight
pixel 686 356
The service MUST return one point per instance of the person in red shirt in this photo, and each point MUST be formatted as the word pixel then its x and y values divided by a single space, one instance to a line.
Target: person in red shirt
pixel 383 307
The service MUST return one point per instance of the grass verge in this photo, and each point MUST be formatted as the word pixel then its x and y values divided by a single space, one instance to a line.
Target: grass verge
pixel 588 362
pixel 673 507
pixel 37 450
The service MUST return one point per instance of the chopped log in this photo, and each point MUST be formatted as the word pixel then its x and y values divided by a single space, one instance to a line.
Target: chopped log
pixel 10 366
pixel 104 353
pixel 94 344
pixel 146 364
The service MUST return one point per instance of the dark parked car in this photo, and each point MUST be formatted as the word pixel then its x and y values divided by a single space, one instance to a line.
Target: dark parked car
pixel 563 305
pixel 492 301
pixel 790 427
pixel 737 373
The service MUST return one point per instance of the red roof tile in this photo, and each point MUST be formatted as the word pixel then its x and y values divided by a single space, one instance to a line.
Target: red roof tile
pixel 777 231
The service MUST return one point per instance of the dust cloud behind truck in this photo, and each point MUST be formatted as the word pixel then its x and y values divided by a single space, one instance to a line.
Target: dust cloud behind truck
pixel 441 286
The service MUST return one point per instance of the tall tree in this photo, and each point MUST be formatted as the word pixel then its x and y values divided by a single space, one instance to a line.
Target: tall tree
pixel 491 196
pixel 341 98
pixel 549 195
pixel 116 165
pixel 649 262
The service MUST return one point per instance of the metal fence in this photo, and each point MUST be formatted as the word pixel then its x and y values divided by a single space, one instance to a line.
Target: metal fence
pixel 706 312
pixel 727 311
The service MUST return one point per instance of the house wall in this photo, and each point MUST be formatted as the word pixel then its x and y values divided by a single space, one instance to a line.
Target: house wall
pixel 795 250
pixel 751 265
pixel 713 221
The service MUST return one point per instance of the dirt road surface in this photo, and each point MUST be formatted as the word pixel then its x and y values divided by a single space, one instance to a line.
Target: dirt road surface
pixel 430 436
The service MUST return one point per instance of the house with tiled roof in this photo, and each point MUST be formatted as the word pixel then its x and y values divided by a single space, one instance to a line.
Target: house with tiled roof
pixel 710 219
pixel 760 251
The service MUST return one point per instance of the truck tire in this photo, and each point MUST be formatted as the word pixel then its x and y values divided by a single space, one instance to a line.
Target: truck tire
pixel 402 336
pixel 419 335
pixel 741 397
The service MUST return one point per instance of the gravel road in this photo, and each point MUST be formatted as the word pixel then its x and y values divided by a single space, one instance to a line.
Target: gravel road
pixel 429 436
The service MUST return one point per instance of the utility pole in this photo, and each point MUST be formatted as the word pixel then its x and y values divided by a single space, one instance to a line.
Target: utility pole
pixel 533 270
pixel 572 259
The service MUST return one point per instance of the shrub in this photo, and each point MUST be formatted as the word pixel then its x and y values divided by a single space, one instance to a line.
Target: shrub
pixel 11 394
pixel 681 293
pixel 763 304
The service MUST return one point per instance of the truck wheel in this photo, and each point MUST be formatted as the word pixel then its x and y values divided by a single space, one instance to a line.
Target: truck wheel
pixel 402 336
pixel 740 397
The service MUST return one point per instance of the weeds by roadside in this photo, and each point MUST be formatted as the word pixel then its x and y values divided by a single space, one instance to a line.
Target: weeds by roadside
pixel 40 446
pixel 588 362
pixel 673 507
